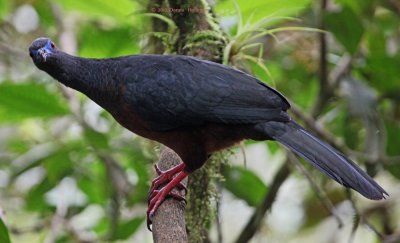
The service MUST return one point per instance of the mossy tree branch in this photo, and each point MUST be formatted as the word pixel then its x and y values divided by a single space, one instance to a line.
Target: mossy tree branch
pixel 199 33
pixel 169 220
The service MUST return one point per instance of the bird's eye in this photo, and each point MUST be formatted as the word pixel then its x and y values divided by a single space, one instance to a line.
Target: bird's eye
pixel 52 45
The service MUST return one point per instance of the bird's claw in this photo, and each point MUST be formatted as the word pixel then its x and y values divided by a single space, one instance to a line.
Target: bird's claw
pixel 173 195
pixel 165 177
pixel 157 196
pixel 155 200
pixel 180 186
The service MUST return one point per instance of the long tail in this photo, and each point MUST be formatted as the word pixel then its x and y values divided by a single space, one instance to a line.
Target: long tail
pixel 324 157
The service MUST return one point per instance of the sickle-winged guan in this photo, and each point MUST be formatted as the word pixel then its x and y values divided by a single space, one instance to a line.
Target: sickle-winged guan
pixel 195 107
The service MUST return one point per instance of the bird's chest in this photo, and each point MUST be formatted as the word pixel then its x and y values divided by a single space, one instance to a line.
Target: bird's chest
pixel 131 120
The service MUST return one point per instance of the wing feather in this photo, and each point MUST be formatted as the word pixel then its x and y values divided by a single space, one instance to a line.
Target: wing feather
pixel 177 91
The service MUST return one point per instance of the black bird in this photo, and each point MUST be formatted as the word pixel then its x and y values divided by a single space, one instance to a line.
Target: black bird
pixel 195 107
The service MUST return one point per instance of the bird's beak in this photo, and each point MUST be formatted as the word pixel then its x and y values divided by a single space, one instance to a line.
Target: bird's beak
pixel 43 53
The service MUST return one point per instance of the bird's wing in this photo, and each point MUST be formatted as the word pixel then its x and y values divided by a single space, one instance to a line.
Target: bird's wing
pixel 175 91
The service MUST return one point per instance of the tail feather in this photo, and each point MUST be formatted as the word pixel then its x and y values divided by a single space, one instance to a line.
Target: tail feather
pixel 324 157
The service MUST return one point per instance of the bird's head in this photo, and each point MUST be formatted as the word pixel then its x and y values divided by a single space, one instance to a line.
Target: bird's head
pixel 42 50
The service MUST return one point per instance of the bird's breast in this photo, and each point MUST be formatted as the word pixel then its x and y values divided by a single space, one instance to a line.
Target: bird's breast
pixel 132 121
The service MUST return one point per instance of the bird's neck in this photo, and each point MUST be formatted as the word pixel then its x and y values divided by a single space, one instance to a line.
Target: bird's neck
pixel 93 77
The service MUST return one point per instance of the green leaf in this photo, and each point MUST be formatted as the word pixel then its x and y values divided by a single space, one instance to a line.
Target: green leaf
pixel 93 176
pixel 90 187
pixel 58 165
pixel 260 8
pixel 127 228
pixel 393 138
pixel 365 7
pixel 45 12
pixel 17 145
pixel 376 43
pixel 346 26
pixel 273 146
pixel 98 140
pixel 394 169
pixel 35 200
pixel 35 161
pixel 382 62
pixel 4 8
pixel 244 184
pixel 22 101
pixel 350 128
pixel 4 236
pixel 140 193
pixel 383 74
pixel 134 159
pixel 117 10
pixel 97 43
pixel 103 226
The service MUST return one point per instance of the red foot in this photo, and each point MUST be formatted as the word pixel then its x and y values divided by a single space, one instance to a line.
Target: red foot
pixel 156 197
pixel 165 177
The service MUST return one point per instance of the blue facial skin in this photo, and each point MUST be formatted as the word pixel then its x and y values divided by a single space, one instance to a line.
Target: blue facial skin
pixel 41 54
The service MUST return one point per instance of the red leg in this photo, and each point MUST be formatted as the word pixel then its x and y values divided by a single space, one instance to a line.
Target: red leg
pixel 166 176
pixel 157 196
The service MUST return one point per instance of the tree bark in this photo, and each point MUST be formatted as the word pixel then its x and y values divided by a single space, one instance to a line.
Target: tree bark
pixel 169 220
pixel 199 34
pixel 325 91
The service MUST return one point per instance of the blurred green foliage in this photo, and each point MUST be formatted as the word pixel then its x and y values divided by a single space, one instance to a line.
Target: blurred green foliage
pixel 4 237
pixel 55 143
pixel 238 180
pixel 46 104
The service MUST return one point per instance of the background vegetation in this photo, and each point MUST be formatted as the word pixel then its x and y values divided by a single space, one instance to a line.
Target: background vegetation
pixel 69 173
